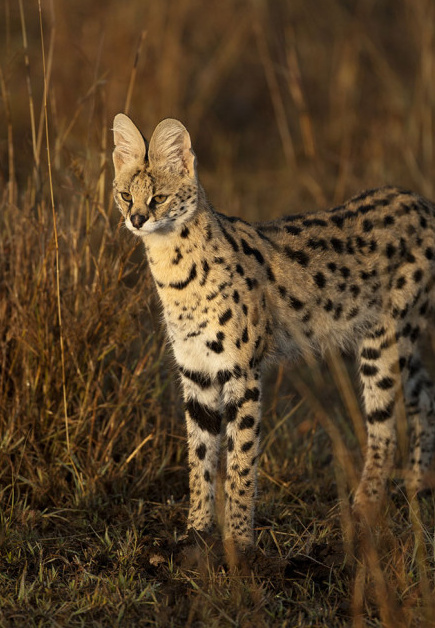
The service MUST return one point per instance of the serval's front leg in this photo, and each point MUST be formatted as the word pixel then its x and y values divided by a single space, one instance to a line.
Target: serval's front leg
pixel 203 422
pixel 243 412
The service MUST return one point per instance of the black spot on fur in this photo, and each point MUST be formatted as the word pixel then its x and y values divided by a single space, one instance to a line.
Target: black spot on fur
pixel 314 222
pixel 367 225
pixel 224 376
pixel 355 290
pixel 315 244
pixel 225 317
pixel 178 256
pixel 400 283
pixel 247 422
pixel 229 238
pixel 406 330
pixel 337 245
pixel 205 270
pixel 216 345
pixel 369 370
pixel 206 418
pixel 270 274
pixel 201 379
pixel 338 312
pixel 180 285
pixel 415 333
pixel 296 303
pixel 378 416
pixel 231 412
pixel 251 283
pixel 292 229
pixel 424 308
pixel 390 250
pixel 418 275
pixel 248 250
pixel 320 280
pixel 385 383
pixel 201 450
pixel 338 221
pixel 297 256
pixel 345 271
pixel 252 394
pixel 370 353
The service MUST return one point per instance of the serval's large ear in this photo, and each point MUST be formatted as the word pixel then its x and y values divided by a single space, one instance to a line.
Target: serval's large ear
pixel 171 148
pixel 130 147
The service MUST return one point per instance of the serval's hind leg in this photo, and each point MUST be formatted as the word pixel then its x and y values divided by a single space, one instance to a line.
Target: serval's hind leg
pixel 381 383
pixel 420 406
pixel 391 370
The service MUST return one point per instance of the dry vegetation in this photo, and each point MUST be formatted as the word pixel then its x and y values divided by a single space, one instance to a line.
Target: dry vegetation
pixel 292 105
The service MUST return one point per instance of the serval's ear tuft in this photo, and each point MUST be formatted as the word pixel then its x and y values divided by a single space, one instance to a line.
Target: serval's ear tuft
pixel 171 148
pixel 130 146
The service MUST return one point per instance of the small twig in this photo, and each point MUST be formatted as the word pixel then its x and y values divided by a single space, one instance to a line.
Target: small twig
pixel 137 450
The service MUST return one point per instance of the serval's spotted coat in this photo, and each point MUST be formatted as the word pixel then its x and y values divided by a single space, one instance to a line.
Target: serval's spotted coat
pixel 359 276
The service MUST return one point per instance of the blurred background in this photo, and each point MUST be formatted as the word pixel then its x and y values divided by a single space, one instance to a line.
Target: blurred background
pixel 292 105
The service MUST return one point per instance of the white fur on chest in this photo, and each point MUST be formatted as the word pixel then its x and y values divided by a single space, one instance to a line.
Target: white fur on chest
pixel 194 291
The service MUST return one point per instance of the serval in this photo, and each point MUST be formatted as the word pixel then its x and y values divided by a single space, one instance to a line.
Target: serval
pixel 359 276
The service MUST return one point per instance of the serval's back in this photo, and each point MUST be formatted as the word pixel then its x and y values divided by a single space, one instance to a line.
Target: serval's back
pixel 357 277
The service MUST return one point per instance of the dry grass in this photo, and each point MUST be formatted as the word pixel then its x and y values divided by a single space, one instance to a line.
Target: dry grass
pixel 291 106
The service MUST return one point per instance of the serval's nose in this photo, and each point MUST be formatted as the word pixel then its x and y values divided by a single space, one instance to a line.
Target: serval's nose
pixel 137 220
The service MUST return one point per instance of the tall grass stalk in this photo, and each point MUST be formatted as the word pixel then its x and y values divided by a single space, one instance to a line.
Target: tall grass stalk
pixel 55 232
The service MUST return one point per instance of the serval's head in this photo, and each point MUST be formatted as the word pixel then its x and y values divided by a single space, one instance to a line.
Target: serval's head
pixel 155 185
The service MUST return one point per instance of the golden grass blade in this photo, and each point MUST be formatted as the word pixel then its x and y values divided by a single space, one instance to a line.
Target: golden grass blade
pixel 12 192
pixel 275 94
pixel 29 86
pixel 133 73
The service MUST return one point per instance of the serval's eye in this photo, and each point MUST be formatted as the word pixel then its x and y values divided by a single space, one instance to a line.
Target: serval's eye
pixel 159 198
pixel 126 196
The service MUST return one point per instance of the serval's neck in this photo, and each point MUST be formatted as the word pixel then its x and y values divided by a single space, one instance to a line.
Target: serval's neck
pixel 177 255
